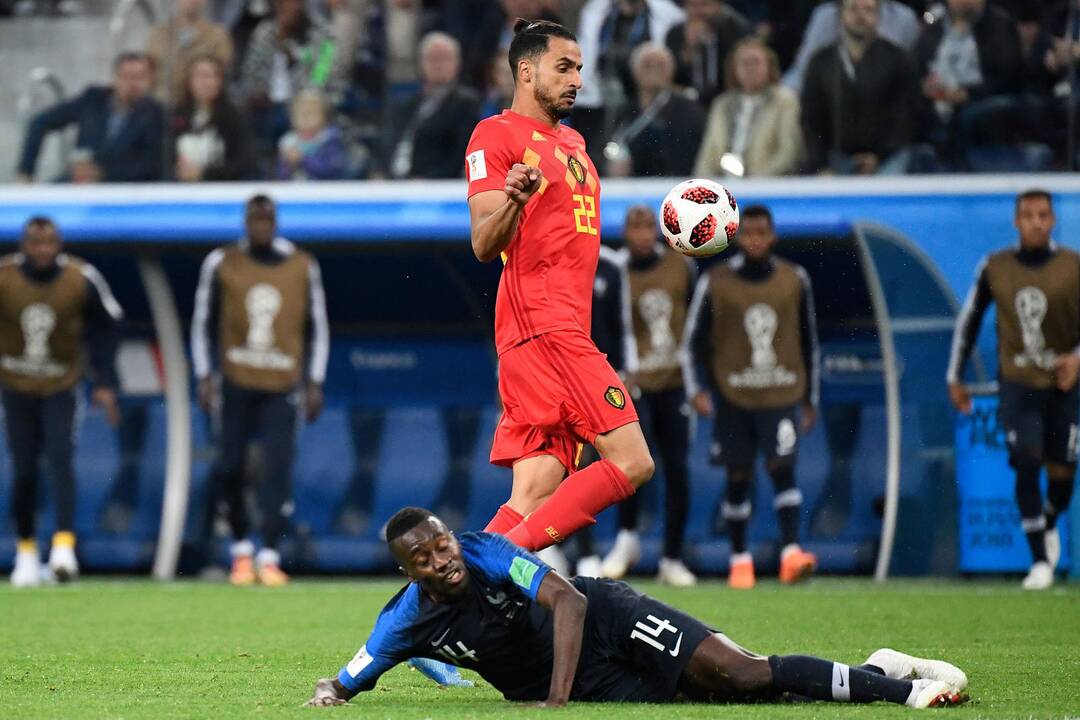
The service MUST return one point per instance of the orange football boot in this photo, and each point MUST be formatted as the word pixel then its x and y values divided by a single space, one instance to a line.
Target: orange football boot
pixel 243 570
pixel 741 575
pixel 796 565
pixel 271 575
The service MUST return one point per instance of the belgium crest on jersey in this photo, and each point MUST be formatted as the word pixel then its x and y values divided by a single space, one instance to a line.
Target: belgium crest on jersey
pixel 575 168
pixel 615 397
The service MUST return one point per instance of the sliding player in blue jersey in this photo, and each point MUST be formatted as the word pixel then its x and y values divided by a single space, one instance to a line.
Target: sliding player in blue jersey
pixel 479 602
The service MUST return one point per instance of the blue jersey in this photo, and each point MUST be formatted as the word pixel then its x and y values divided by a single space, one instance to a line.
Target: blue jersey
pixel 497 629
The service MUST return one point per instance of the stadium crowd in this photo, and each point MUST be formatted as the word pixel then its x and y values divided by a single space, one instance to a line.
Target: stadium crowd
pixel 354 89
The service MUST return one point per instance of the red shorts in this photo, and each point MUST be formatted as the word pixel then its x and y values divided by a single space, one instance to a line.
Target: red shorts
pixel 558 391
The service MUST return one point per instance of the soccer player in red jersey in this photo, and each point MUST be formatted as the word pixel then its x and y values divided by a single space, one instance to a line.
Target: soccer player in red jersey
pixel 534 200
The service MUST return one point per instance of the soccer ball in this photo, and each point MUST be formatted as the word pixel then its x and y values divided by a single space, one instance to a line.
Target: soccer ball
pixel 699 217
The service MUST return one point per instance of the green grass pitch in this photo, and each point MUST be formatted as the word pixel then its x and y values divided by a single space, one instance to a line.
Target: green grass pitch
pixel 127 649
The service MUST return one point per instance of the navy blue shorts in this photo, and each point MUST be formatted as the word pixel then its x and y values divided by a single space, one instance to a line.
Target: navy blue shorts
pixel 1039 422
pixel 635 648
pixel 740 434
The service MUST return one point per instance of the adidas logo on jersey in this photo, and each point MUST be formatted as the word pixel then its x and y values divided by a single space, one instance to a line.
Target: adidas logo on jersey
pixel 538 137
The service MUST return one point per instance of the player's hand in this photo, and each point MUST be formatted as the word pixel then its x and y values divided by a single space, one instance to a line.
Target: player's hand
pixel 313 402
pixel 1066 371
pixel 702 404
pixel 960 399
pixel 105 398
pixel 807 418
pixel 205 394
pixel 325 695
pixel 522 181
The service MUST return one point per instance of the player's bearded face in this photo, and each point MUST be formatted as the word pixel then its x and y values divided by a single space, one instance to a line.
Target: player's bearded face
pixel 555 101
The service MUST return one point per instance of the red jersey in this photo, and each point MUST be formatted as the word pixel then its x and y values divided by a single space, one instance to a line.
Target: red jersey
pixel 550 265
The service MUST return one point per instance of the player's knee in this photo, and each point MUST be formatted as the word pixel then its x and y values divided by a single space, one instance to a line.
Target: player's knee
pixel 1060 472
pixel 1027 461
pixel 638 466
pixel 526 497
pixel 739 474
pixel 780 465
pixel 751 675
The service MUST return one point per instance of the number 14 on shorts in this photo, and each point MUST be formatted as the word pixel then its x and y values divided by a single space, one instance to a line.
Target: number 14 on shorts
pixel 654 634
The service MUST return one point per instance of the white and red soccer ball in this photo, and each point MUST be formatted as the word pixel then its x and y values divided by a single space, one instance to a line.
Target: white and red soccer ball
pixel 699 217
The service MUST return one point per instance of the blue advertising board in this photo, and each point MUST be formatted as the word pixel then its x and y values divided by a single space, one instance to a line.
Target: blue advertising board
pixel 990 536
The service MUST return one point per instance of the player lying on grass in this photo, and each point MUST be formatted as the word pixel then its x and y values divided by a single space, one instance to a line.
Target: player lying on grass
pixel 481 603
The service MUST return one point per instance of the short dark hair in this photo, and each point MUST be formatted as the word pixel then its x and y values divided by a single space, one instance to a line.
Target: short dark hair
pixel 405 520
pixel 757 211
pixel 1035 194
pixel 531 39
pixel 131 56
pixel 262 200
pixel 38 222
pixel 640 213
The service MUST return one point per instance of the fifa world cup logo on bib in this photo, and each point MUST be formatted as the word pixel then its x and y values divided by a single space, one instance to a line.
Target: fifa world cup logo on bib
pixel 37 322
pixel 263 303
pixel 1030 304
pixel 656 309
pixel 760 324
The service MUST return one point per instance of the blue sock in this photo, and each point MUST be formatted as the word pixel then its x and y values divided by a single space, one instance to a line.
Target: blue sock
pixel 440 672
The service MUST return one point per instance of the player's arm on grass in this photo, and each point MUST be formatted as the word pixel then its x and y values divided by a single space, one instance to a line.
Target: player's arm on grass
pixel 495 213
pixel 968 323
pixel 568 607
pixel 388 645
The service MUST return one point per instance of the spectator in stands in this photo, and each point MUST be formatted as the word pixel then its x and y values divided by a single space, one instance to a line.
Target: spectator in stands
pixel 784 26
pixel 856 100
pixel 176 42
pixel 659 133
pixel 401 33
pixel 753 128
pixel 241 17
pixel 315 148
pixel 58 8
pixel 500 85
pixel 480 25
pixel 1053 64
pixel 971 54
pixel 120 129
pixel 211 135
pixel 701 45
pixel 608 31
pixel 287 54
pixel 897 23
pixel 425 135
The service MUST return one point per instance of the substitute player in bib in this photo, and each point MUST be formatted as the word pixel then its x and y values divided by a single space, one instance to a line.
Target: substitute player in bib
pixel 753 337
pixel 58 322
pixel 534 200
pixel 1036 287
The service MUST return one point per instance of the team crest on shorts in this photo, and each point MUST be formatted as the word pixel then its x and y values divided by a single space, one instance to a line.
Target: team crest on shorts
pixel 615 397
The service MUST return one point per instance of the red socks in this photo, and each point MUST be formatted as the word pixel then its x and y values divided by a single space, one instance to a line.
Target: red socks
pixel 506 519
pixel 572 506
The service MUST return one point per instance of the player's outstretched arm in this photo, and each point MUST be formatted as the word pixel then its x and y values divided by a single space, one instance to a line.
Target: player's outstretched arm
pixel 495 213
pixel 568 606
